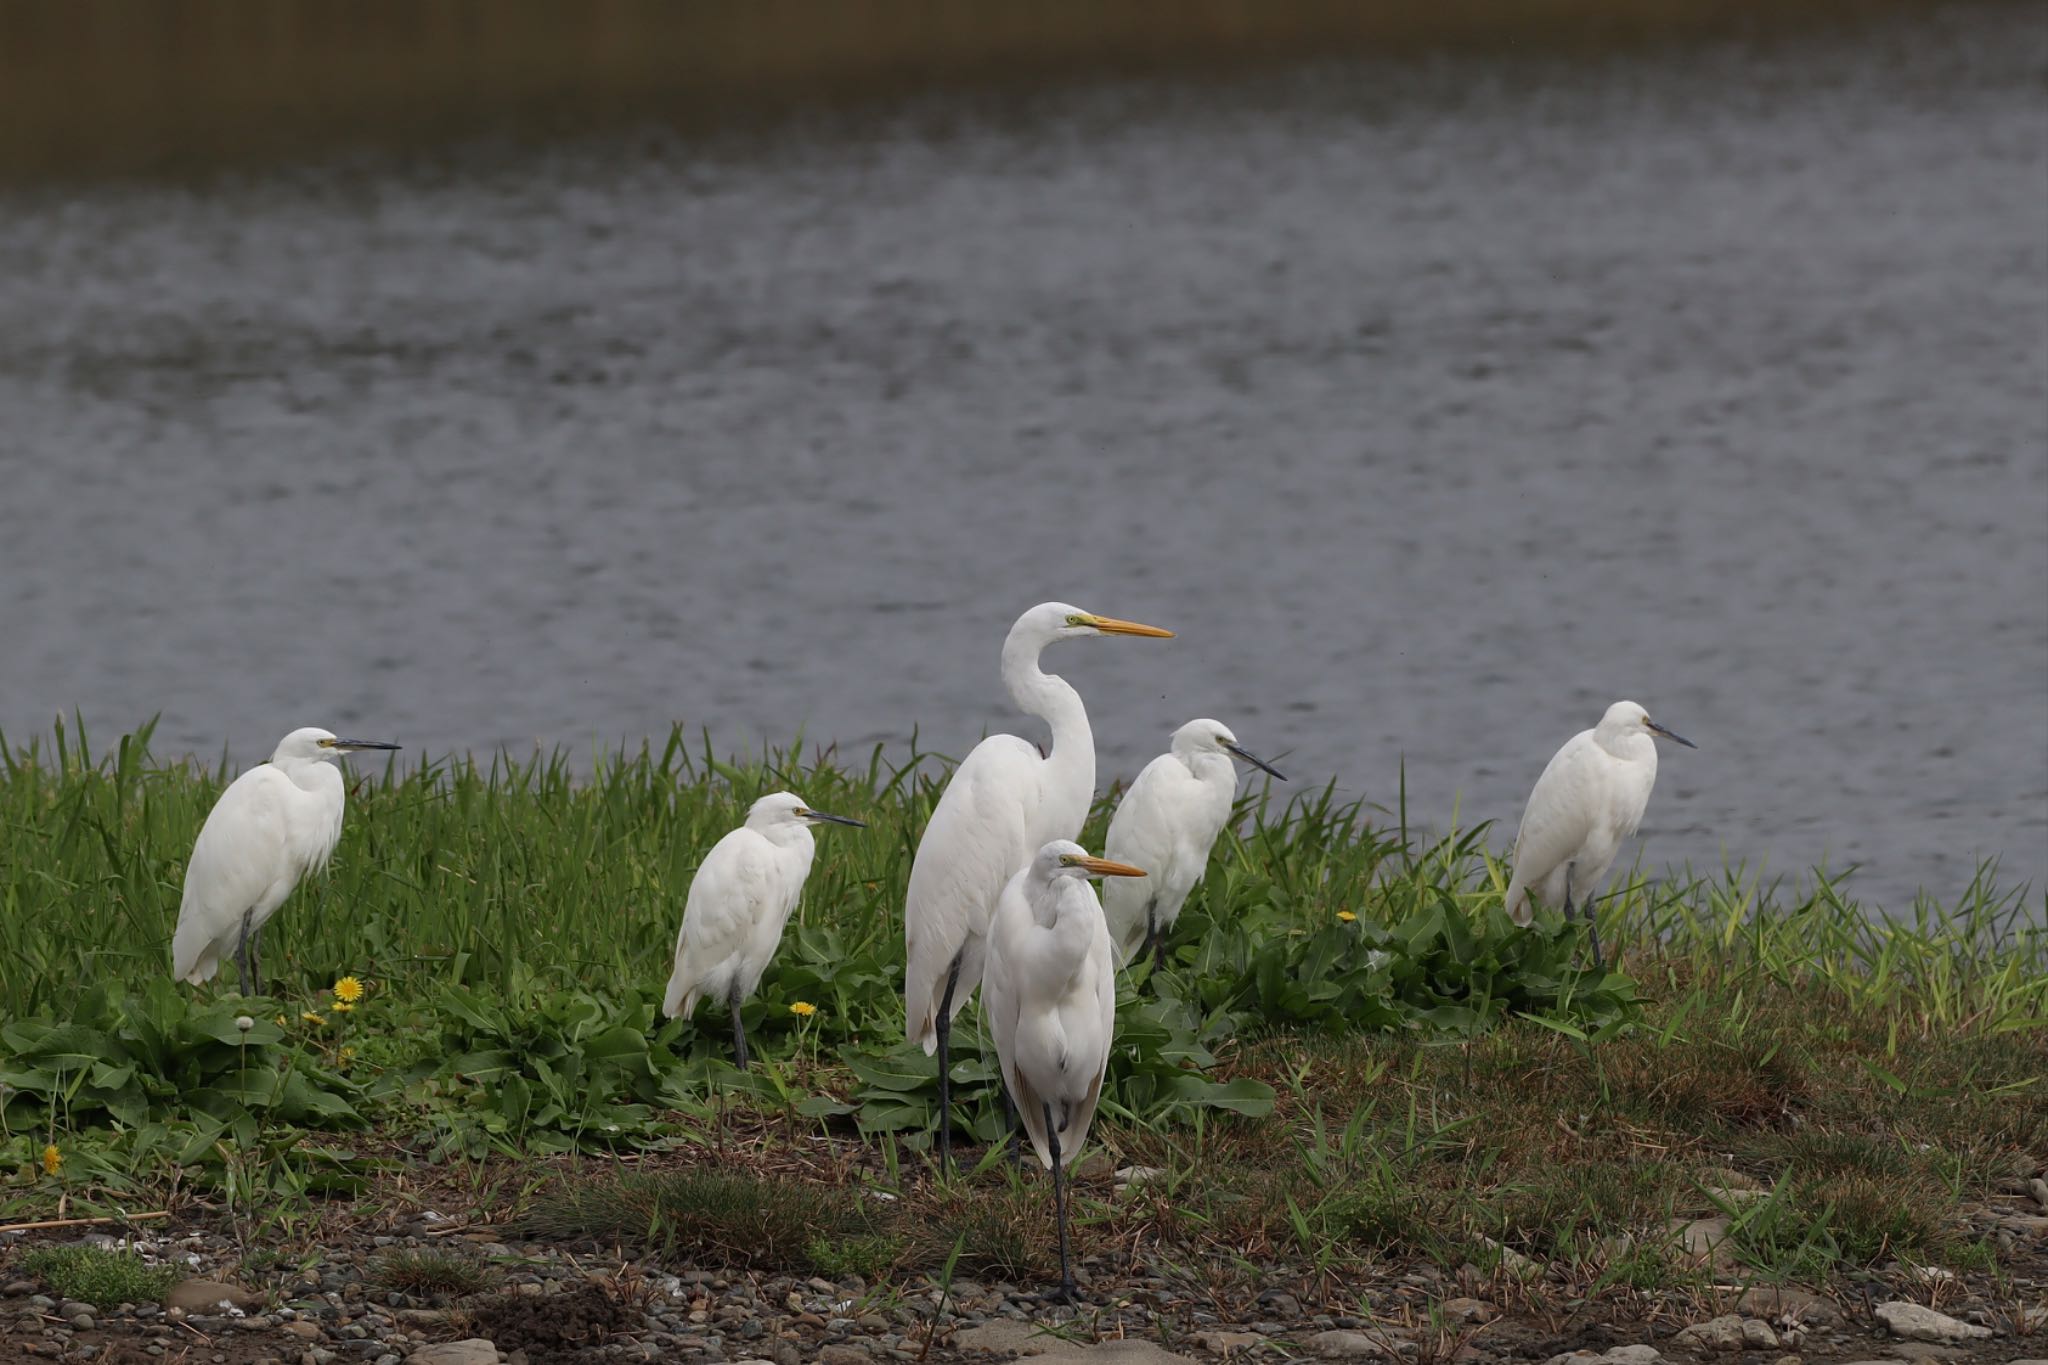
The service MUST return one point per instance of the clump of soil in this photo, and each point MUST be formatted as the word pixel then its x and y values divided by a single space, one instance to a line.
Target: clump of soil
pixel 557 1327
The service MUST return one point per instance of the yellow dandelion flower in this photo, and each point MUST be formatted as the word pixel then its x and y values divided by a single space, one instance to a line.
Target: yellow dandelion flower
pixel 283 1022
pixel 803 1009
pixel 53 1160
pixel 348 990
pixel 1346 916
pixel 347 1055
pixel 342 1007
pixel 314 1019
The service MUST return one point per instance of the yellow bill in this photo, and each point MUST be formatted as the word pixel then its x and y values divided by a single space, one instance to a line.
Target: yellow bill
pixel 1102 867
pixel 1109 625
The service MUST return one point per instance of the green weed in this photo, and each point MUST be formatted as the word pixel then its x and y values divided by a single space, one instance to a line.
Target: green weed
pixel 104 1279
pixel 424 1271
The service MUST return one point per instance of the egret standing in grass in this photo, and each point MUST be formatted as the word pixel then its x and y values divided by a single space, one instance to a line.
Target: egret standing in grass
pixel 1049 989
pixel 739 900
pixel 1004 801
pixel 1591 796
pixel 273 825
pixel 1166 824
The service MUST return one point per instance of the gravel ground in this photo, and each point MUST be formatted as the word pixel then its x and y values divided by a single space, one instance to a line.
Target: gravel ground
pixel 327 1302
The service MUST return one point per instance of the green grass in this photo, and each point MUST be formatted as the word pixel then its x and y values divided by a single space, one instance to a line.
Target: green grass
pixel 499 874
pixel 104 1279
pixel 1387 1152
pixel 1422 1080
pixel 426 1271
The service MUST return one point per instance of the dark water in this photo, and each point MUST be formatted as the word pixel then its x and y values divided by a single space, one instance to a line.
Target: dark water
pixel 1435 405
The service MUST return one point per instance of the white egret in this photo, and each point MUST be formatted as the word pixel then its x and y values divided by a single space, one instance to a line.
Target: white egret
pixel 1049 988
pixel 739 900
pixel 273 825
pixel 1591 796
pixel 1166 824
pixel 1003 802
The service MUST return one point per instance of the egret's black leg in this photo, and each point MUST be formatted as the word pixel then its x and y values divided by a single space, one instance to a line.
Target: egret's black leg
pixel 243 953
pixel 739 1030
pixel 1592 926
pixel 945 1068
pixel 1015 1121
pixel 1158 952
pixel 1068 1291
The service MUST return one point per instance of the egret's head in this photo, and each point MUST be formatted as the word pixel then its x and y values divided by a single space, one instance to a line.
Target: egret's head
pixel 311 744
pixel 1625 718
pixel 787 808
pixel 1214 737
pixel 1050 621
pixel 1065 858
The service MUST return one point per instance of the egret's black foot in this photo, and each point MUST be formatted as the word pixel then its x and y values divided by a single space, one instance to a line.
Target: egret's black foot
pixel 1067 1294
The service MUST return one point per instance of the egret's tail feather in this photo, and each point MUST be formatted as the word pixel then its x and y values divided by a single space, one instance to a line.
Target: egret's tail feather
pixel 193 959
pixel 924 1032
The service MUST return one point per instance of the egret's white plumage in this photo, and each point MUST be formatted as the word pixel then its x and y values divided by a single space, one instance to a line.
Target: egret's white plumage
pixel 1166 824
pixel 1049 989
pixel 1591 796
pixel 739 901
pixel 1002 803
pixel 272 826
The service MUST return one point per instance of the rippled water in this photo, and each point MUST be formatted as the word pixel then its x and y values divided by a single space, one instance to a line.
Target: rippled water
pixel 1435 406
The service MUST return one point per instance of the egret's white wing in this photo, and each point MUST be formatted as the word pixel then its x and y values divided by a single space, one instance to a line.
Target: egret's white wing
pixel 1557 820
pixel 1052 1014
pixel 1088 1015
pixel 974 842
pixel 1083 1019
pixel 999 995
pixel 1142 833
pixel 1003 988
pixel 241 860
pixel 733 889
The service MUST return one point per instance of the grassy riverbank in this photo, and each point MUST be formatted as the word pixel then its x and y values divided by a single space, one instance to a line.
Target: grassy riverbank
pixel 1352 1059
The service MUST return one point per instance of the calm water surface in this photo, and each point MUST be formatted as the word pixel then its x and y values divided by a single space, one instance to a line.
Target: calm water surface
pixel 1436 406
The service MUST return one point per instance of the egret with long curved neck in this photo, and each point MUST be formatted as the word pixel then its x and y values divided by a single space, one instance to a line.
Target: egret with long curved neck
pixel 1005 801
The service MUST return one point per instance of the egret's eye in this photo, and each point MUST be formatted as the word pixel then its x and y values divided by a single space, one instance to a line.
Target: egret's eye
pixel 1077 619
pixel 326 743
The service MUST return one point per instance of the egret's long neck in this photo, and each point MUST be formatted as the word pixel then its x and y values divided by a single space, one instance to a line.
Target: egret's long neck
pixel 789 836
pixel 1067 911
pixel 307 776
pixel 1635 747
pixel 1070 771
